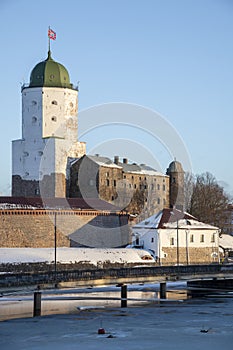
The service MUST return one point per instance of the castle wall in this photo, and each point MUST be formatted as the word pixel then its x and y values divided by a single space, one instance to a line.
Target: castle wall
pixel 35 228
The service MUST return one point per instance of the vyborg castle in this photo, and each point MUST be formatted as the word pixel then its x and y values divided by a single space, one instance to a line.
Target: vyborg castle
pixel 92 197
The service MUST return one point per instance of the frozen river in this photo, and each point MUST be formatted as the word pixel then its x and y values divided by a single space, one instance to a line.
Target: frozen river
pixel 189 324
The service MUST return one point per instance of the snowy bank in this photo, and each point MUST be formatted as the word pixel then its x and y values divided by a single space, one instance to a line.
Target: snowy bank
pixel 94 256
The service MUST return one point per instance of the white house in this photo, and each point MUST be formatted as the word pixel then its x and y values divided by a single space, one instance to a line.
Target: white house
pixel 175 237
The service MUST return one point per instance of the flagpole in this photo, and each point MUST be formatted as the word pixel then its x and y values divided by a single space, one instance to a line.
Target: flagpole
pixel 49 38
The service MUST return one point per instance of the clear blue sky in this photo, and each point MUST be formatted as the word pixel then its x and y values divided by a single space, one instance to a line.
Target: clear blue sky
pixel 172 56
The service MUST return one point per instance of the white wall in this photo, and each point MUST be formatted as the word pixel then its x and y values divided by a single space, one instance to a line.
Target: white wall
pixel 156 240
pixel 49 133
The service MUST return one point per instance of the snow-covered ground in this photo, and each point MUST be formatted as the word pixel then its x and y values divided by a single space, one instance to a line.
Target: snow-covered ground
pixel 193 325
pixel 72 255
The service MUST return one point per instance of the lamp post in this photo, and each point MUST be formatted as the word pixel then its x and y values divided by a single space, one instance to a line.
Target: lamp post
pixel 177 243
pixel 187 246
pixel 55 242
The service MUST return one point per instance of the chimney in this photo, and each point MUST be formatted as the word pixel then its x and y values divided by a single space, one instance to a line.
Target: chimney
pixel 125 160
pixel 116 160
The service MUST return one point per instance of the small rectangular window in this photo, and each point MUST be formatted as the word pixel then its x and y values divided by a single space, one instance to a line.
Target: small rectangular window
pixel 191 238
pixel 213 238
pixel 202 238
pixel 172 241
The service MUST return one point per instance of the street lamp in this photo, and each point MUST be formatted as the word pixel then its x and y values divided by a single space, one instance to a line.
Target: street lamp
pixel 55 242
pixel 177 243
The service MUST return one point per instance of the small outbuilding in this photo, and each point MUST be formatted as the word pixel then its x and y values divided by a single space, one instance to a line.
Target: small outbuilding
pixel 176 237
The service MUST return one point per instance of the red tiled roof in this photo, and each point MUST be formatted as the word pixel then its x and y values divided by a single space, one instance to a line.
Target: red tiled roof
pixel 61 203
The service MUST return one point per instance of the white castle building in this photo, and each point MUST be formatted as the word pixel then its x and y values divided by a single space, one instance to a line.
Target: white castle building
pixel 49 132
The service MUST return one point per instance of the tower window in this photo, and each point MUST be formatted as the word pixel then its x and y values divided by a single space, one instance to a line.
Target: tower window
pixel 54 119
pixel 107 182
pixel 174 180
pixel 54 102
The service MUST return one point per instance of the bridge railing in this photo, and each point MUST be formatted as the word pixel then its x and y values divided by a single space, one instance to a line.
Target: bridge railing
pixel 112 275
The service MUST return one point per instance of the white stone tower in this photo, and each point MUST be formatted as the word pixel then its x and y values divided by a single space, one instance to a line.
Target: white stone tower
pixel 49 133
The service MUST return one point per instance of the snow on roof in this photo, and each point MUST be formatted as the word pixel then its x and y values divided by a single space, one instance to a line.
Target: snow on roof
pixel 152 222
pixel 72 255
pixel 226 241
pixel 188 223
pixel 168 218
pixel 55 203
pixel 104 161
pixel 141 169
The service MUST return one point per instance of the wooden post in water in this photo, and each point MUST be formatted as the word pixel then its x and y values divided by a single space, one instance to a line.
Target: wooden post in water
pixel 37 304
pixel 124 295
pixel 163 290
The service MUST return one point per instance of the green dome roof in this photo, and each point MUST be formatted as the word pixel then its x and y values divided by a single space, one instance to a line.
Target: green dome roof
pixel 50 73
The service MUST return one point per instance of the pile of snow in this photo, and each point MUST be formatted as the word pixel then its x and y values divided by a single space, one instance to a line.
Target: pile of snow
pixel 74 255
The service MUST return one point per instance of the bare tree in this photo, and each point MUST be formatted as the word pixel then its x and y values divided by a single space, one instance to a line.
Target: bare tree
pixel 209 202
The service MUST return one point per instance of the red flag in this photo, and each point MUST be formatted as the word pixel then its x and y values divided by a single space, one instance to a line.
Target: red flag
pixel 51 34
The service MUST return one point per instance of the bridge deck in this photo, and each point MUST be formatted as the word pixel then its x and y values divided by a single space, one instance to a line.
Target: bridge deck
pixel 117 275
